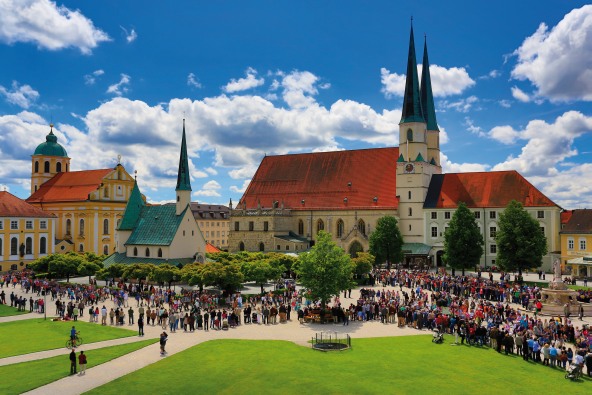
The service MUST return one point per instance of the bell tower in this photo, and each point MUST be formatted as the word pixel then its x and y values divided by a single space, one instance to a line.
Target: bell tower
pixel 49 159
pixel 183 189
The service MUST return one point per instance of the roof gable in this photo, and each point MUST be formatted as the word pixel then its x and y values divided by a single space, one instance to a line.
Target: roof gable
pixel 579 222
pixel 483 189
pixel 11 206
pixel 132 209
pixel 70 186
pixel 325 180
pixel 156 225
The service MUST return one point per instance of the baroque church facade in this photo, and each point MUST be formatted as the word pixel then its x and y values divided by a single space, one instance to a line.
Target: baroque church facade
pixel 293 197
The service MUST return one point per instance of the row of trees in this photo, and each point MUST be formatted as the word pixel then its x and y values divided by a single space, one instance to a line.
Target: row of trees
pixel 68 264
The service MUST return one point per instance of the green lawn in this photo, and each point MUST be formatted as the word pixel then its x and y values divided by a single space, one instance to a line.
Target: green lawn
pixel 27 336
pixel 401 365
pixel 6 311
pixel 23 377
pixel 578 287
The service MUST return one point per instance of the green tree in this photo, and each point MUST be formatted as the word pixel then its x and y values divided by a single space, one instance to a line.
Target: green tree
pixel 520 242
pixel 386 242
pixel 65 265
pixel 284 261
pixel 89 269
pixel 326 270
pixel 165 273
pixel 41 265
pixel 261 271
pixel 111 272
pixel 362 264
pixel 463 242
pixel 139 271
pixel 193 274
pixel 226 276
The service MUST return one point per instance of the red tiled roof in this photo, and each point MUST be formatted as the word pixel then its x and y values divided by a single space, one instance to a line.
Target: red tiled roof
pixel 483 189
pixel 11 206
pixel 212 249
pixel 565 216
pixel 580 222
pixel 72 186
pixel 325 179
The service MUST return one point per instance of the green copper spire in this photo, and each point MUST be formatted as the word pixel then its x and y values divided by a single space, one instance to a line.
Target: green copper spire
pixel 427 98
pixel 132 209
pixel 412 111
pixel 183 181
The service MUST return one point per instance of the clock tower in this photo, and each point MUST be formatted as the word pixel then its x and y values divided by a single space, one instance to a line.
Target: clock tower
pixel 419 153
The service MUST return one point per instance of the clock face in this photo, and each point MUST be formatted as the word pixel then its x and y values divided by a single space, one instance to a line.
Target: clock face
pixel 409 167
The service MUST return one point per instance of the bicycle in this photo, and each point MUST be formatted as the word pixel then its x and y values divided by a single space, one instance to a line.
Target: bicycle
pixel 77 342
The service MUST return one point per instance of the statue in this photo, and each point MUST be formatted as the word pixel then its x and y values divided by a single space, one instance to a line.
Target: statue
pixel 557 271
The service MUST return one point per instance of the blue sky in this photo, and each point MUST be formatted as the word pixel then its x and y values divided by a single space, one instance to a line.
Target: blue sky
pixel 512 83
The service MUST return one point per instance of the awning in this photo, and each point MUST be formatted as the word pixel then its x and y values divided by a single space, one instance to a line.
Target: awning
pixel 416 249
pixel 581 260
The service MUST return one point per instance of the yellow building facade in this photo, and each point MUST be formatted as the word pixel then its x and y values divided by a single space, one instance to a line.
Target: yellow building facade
pixel 576 244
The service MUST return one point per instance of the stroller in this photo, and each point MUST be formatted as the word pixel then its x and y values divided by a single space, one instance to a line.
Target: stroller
pixel 437 337
pixel 225 324
pixel 574 372
pixel 254 318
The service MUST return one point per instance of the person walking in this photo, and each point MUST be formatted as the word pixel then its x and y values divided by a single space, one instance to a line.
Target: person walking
pixel 163 340
pixel 82 363
pixel 72 362
pixel 141 326
pixel 130 314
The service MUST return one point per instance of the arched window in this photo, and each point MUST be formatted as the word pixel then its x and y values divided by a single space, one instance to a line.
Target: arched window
pixel 43 245
pixel 81 227
pixel 409 195
pixel 46 167
pixel 81 248
pixel 68 226
pixel 410 212
pixel 14 246
pixel 35 188
pixel 320 225
pixel 340 227
pixel 135 251
pixel 105 249
pixel 29 245
pixel 105 226
pixel 300 227
pixel 66 167
pixel 362 226
pixel 409 135
pixel 59 167
pixel 147 252
pixel 36 166
pixel 241 246
pixel 261 247
pixel 1 248
pixel 160 252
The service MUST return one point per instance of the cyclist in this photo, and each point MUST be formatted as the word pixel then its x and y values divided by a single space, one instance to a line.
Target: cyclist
pixel 74 335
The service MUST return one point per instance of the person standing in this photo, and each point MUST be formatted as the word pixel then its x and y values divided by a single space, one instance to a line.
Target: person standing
pixel 130 314
pixel 141 326
pixel 206 320
pixel 82 363
pixel 163 340
pixel 72 362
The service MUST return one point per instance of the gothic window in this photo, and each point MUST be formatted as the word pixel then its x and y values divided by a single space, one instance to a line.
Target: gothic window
pixel 409 195
pixel 105 249
pixel 13 246
pixel 410 212
pixel 29 246
pixel 160 252
pixel 147 252
pixel 105 226
pixel 340 227
pixel 58 167
pixel 135 251
pixel 241 246
pixel 46 167
pixel 68 226
pixel 81 227
pixel 300 227
pixel 36 167
pixel 409 135
pixel 261 247
pixel 81 248
pixel 362 226
pixel 320 225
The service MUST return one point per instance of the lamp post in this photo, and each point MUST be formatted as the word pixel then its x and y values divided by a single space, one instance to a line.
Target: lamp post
pixel 44 302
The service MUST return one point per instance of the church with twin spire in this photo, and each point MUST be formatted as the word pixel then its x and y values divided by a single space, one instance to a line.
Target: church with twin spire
pixel 291 198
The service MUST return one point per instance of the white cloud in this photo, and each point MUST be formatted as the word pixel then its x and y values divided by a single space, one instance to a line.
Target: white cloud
pixel 558 62
pixel 241 189
pixel 505 103
pixel 47 25
pixel 445 82
pixel 193 81
pixel 547 144
pixel 130 36
pixel 299 88
pixel 462 105
pixel 121 87
pixel 491 75
pixel 210 188
pixel 520 95
pixel 471 127
pixel 243 84
pixel 450 167
pixel 21 95
pixel 90 79
pixel 211 171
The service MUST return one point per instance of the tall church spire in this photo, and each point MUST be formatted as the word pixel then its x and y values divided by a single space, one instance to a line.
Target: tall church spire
pixel 412 110
pixel 427 98
pixel 183 181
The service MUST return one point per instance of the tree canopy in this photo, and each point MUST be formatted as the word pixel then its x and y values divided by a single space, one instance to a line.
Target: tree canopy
pixel 520 243
pixel 326 270
pixel 362 263
pixel 463 242
pixel 386 241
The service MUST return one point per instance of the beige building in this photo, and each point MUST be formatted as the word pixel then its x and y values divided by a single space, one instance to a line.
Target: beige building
pixel 214 223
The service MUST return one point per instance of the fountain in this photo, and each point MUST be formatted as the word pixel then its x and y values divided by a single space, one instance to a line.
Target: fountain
pixel 557 295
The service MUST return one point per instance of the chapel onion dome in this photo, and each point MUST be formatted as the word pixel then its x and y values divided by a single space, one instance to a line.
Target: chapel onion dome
pixel 51 146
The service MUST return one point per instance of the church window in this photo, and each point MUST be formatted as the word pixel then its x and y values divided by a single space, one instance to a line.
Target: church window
pixel 410 212
pixel 362 226
pixel 265 227
pixel 446 214
pixel 105 249
pixel 320 225
pixel 36 166
pixel 178 198
pixel 251 226
pixel 105 226
pixel 29 246
pixel 68 226
pixel 409 227
pixel 409 195
pixel 13 246
pixel 147 252
pixel 241 246
pixel 135 251
pixel 59 167
pixel 340 227
pixel 300 227
pixel 46 167
pixel 81 227
pixel 570 244
pixel 81 248
pixel 35 188
pixel 409 135
pixel 160 253
pixel 261 247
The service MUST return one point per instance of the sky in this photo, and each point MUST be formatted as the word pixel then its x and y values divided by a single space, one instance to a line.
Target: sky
pixel 512 82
